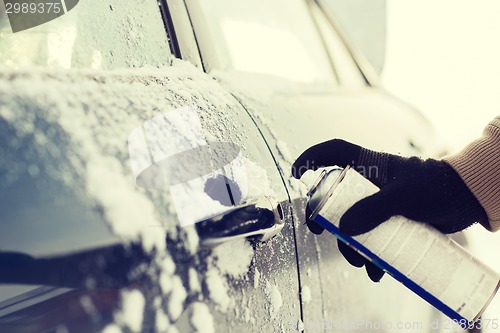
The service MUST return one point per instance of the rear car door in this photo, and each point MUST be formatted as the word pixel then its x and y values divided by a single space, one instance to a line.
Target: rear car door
pixel 106 170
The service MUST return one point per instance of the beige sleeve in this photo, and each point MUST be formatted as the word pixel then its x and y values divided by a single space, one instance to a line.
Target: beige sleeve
pixel 479 166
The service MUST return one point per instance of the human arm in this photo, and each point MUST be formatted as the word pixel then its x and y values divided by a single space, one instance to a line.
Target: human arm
pixel 429 191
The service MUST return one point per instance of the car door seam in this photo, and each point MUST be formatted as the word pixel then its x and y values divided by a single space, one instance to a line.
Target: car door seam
pixel 289 200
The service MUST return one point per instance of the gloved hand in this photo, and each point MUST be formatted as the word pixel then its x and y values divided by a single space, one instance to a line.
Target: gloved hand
pixel 428 191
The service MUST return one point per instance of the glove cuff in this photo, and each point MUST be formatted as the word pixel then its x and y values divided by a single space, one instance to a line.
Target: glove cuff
pixel 467 210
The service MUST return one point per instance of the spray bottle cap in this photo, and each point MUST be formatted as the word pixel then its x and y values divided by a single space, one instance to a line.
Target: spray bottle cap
pixel 321 185
pixel 310 178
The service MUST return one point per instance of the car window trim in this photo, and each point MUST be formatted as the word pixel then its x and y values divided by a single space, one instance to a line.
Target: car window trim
pixel 180 32
pixel 368 74
pixel 169 28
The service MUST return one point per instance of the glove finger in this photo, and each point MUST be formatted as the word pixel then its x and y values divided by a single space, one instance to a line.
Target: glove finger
pixel 350 255
pixel 374 273
pixel 368 213
pixel 314 227
pixel 355 259
pixel 374 165
pixel 329 153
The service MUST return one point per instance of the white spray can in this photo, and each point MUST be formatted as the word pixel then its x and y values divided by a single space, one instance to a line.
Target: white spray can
pixel 419 256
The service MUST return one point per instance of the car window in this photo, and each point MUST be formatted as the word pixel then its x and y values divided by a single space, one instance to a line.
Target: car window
pixel 346 68
pixel 364 23
pixel 277 38
pixel 92 34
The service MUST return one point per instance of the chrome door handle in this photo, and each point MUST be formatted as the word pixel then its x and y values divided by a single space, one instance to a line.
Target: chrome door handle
pixel 258 220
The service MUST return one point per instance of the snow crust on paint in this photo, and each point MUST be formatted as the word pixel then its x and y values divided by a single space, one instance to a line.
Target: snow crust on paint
pixel 201 318
pixel 275 299
pixel 218 289
pixel 132 311
pixel 234 258
pixel 95 111
pixel 306 294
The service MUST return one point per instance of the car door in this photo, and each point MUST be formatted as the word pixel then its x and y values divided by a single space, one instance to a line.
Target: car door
pixel 296 76
pixel 104 158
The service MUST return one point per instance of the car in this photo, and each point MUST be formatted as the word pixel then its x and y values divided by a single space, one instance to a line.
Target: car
pixel 145 160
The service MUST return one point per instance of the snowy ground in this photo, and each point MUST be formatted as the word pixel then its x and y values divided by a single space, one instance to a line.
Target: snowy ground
pixel 443 58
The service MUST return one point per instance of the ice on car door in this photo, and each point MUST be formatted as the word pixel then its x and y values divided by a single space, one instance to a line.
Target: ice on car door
pixel 210 160
pixel 171 152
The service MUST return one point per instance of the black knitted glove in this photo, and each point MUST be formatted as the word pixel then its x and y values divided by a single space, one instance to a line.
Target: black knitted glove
pixel 428 191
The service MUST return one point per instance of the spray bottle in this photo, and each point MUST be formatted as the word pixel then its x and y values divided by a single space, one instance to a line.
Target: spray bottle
pixel 422 258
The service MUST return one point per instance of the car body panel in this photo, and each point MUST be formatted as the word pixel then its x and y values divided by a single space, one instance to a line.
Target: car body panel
pixel 86 118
